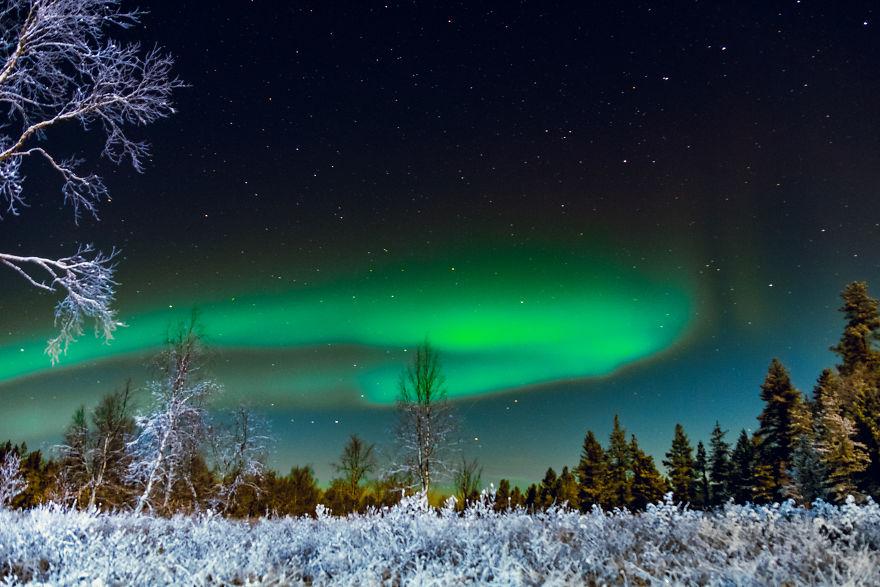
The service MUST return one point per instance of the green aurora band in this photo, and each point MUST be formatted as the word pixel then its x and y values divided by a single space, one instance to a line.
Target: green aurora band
pixel 499 322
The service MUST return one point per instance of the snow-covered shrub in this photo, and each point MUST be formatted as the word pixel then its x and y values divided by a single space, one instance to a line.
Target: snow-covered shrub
pixel 412 543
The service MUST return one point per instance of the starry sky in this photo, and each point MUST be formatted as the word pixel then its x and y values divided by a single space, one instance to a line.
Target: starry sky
pixel 618 208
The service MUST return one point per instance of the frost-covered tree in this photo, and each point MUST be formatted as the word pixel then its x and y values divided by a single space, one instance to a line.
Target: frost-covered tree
pixel 856 348
pixel 93 459
pixel 170 439
pixel 12 481
pixel 859 383
pixel 426 420
pixel 239 456
pixel 59 69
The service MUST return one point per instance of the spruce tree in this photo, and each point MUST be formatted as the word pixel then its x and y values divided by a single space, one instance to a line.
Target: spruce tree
pixel 777 433
pixel 862 322
pixel 619 463
pixel 765 481
pixel 679 463
pixel 647 485
pixel 547 490
pixel 719 466
pixel 701 477
pixel 810 477
pixel 530 502
pixel 502 496
pixel 567 489
pixel 808 471
pixel 517 499
pixel 860 378
pixel 592 472
pixel 742 479
pixel 842 458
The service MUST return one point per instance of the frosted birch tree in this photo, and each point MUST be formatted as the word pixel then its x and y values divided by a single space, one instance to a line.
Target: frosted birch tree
pixel 239 456
pixel 59 68
pixel 176 431
pixel 427 420
pixel 12 481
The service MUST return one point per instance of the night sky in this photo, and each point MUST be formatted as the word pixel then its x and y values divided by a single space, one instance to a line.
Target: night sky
pixel 620 208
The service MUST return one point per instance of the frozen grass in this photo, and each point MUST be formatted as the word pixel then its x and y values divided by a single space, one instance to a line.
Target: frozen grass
pixel 412 544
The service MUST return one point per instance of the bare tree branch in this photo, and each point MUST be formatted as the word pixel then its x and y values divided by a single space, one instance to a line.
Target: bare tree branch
pixel 87 279
pixel 58 66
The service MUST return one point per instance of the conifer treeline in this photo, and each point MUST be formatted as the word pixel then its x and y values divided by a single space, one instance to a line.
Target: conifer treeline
pixel 824 446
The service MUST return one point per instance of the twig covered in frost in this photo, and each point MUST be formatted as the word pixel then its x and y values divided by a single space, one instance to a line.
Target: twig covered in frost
pixel 58 67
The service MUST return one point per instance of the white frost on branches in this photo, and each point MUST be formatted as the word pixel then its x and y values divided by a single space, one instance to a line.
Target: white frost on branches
pixel 414 544
pixel 177 428
pixel 12 481
pixel 58 67
pixel 87 278
pixel 239 455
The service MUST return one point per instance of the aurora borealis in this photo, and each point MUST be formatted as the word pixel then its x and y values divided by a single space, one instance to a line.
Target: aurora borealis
pixel 500 324
pixel 616 209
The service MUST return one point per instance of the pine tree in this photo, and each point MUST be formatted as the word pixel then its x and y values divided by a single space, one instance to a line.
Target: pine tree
pixel 701 477
pixel 619 463
pixel 777 432
pixel 647 484
pixel 592 471
pixel 680 464
pixel 719 467
pixel 742 478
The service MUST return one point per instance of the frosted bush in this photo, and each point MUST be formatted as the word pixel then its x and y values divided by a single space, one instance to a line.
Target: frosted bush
pixel 412 543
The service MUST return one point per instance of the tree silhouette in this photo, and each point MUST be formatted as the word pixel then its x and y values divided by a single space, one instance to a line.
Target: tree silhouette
pixel 355 462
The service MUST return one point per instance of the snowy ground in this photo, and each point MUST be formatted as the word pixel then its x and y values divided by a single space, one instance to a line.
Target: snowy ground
pixel 409 544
